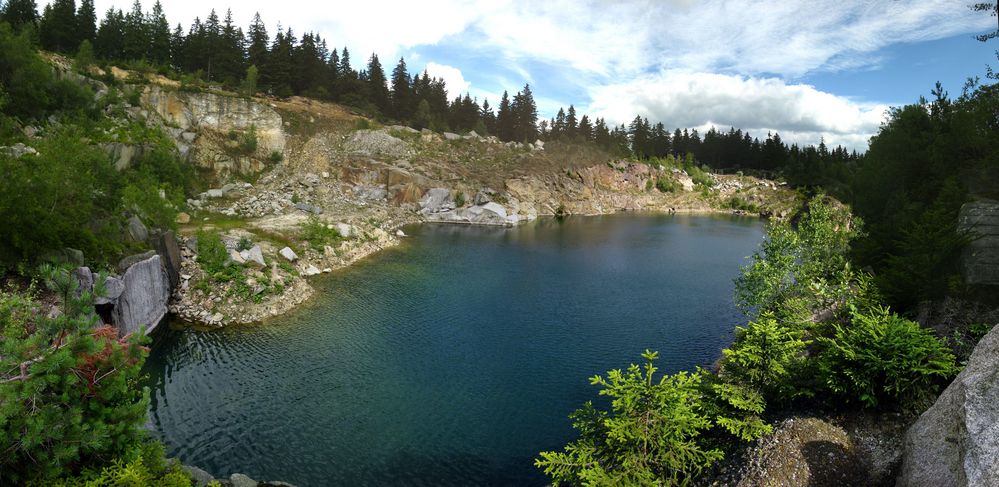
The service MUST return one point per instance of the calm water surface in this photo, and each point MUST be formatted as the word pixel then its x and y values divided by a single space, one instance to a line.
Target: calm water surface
pixel 453 358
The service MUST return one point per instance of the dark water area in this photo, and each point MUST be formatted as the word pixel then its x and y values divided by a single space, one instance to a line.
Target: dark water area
pixel 453 358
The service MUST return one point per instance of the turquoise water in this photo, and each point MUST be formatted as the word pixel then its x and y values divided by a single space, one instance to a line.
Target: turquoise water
pixel 453 358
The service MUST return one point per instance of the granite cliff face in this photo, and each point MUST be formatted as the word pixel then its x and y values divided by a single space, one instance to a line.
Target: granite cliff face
pixel 981 258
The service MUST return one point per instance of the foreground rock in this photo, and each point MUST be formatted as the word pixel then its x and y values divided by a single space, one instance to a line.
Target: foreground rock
pixel 201 478
pixel 804 451
pixel 955 443
pixel 143 301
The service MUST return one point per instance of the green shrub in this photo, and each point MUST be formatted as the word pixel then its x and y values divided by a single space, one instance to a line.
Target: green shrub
pixel 882 359
pixel 214 258
pixel 651 436
pixel 244 244
pixel 666 184
pixel 276 156
pixel 739 203
pixel 764 355
pixel 70 393
pixel 318 234
pixel 147 465
pixel 459 199
pixel 249 142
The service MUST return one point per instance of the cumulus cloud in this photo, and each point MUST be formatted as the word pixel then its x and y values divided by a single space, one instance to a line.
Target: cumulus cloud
pixel 798 112
pixel 455 81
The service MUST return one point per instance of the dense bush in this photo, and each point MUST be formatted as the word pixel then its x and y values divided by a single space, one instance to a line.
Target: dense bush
pixel 66 196
pixel 30 91
pixel 69 393
pixel 765 355
pixel 656 431
pixel 882 359
pixel 145 465
pixel 318 234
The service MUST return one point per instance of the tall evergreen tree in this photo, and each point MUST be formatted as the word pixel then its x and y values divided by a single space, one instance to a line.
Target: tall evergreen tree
pixel 134 36
pixel 86 22
pixel 159 35
pixel 257 42
pixel 488 118
pixel 504 119
pixel 571 122
pixel 525 115
pixel 57 28
pixel 377 84
pixel 402 95
pixel 20 13
pixel 110 35
pixel 231 59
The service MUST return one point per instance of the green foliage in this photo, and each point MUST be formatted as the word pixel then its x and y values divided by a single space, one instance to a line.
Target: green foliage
pixel 70 394
pixel 737 202
pixel 459 199
pixel 66 196
pixel 276 156
pixel 318 234
pixel 214 258
pixel 651 436
pixel 764 356
pixel 249 86
pixel 244 244
pixel 666 184
pixel 248 144
pixel 883 359
pixel 736 408
pixel 84 56
pixel 808 263
pixel 31 90
pixel 146 465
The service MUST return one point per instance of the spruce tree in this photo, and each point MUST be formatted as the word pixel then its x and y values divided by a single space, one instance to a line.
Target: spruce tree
pixel 57 28
pixel 377 85
pixel 585 130
pixel 86 22
pixel 20 13
pixel 257 41
pixel 525 116
pixel 488 118
pixel 571 122
pixel 504 119
pixel 159 36
pixel 135 38
pixel 110 36
pixel 402 92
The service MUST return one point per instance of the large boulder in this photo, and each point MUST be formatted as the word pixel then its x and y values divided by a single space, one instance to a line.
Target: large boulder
pixel 143 301
pixel 981 257
pixel 436 200
pixel 137 231
pixel 168 250
pixel 955 443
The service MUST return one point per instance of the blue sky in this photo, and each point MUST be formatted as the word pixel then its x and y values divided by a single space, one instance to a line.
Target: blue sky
pixel 808 69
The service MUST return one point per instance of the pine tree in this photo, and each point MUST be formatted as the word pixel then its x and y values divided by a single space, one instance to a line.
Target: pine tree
pixel 20 13
pixel 134 36
pixel 86 22
pixel 159 36
pixel 504 119
pixel 57 28
pixel 559 125
pixel 525 116
pixel 488 118
pixel 377 86
pixel 402 95
pixel 257 42
pixel 571 122
pixel 110 36
pixel 585 129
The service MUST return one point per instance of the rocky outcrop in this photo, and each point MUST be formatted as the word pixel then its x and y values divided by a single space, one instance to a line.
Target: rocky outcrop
pixel 143 301
pixel 375 143
pixel 981 257
pixel 194 111
pixel 955 443
pixel 486 214
pixel 166 247
pixel 201 478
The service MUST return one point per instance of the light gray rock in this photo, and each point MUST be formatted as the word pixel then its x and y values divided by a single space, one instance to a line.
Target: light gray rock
pixel 539 144
pixel 143 302
pixel 955 443
pixel 288 254
pixel 239 257
pixel 376 142
pixel 311 271
pixel 400 233
pixel 255 257
pixel 199 477
pixel 214 193
pixel 129 261
pixel 436 200
pixel 73 256
pixel 113 287
pixel 240 480
pixel 981 256
pixel 84 279
pixel 137 231
pixel 345 230
pixel 496 208
pixel 373 193
pixel 482 197
pixel 451 136
pixel 315 210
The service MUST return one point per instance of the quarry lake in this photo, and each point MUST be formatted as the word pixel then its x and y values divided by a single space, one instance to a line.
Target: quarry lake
pixel 454 358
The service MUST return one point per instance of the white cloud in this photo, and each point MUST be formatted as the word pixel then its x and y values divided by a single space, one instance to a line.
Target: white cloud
pixel 800 113
pixel 453 79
